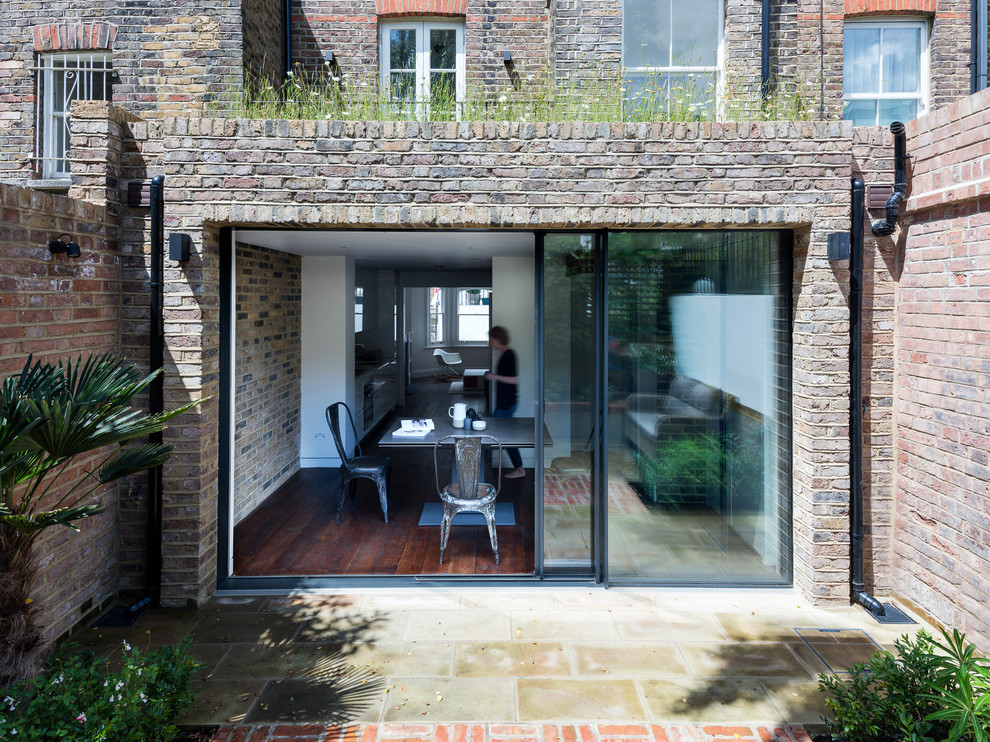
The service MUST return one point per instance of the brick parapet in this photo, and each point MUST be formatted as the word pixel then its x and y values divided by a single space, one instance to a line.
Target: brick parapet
pixel 58 308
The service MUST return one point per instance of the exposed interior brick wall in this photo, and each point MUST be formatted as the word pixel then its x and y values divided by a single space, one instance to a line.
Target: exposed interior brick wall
pixel 264 40
pixel 942 525
pixel 268 374
pixel 60 308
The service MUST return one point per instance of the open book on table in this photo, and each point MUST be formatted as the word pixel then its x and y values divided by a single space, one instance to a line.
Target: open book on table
pixel 414 428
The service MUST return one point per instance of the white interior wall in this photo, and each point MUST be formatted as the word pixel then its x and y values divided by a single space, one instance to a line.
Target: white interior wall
pixel 513 307
pixel 327 352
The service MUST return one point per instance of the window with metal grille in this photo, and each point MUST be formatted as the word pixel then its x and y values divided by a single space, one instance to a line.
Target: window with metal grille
pixel 63 78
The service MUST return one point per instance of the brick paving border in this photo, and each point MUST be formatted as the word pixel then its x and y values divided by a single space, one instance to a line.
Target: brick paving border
pixel 510 732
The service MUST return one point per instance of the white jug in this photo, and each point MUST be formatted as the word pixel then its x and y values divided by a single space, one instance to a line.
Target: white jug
pixel 458 412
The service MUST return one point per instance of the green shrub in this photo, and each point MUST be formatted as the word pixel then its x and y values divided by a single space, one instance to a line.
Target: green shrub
pixel 931 691
pixel 78 697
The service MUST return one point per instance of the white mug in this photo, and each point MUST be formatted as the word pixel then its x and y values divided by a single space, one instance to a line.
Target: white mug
pixel 458 412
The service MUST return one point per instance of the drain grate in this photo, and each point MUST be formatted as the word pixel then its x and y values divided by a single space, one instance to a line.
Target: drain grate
pixel 893 615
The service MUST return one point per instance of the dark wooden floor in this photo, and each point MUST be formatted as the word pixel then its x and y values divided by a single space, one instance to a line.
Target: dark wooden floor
pixel 293 532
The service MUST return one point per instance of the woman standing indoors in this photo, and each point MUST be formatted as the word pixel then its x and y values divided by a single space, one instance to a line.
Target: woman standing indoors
pixel 506 380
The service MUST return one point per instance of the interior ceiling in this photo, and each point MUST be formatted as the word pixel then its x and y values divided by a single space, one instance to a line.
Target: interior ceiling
pixel 397 250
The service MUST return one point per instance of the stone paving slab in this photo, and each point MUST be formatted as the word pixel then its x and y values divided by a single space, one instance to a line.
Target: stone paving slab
pixel 511 732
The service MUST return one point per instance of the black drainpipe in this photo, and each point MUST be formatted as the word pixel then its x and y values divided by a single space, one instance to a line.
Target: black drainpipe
pixel 979 46
pixel 287 44
pixel 765 50
pixel 857 584
pixel 886 225
pixel 156 392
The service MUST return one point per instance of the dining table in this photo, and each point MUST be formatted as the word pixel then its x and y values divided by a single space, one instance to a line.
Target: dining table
pixel 511 432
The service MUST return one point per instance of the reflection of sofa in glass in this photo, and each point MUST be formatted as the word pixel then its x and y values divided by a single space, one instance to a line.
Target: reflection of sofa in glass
pixel 683 424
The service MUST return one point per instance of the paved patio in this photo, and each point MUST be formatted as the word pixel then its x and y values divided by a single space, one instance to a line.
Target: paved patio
pixel 540 664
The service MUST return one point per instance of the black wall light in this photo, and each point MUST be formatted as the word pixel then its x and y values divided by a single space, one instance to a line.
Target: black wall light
pixel 64 243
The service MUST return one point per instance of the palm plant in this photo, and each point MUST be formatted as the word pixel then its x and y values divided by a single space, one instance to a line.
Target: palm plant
pixel 50 416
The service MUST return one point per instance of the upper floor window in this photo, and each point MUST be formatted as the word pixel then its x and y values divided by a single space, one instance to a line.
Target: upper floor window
pixel 885 71
pixel 422 66
pixel 671 53
pixel 63 78
pixel 458 316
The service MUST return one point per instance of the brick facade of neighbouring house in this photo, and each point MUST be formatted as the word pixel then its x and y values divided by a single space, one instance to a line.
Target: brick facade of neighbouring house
pixel 59 308
pixel 267 372
pixel 166 61
pixel 941 544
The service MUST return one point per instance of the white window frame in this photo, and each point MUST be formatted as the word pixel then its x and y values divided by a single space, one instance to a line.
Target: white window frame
pixel 923 68
pixel 450 315
pixel 51 120
pixel 422 27
pixel 718 67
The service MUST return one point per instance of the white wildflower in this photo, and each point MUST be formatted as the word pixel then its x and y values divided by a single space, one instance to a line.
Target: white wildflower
pixel 119 685
pixel 144 698
pixel 10 702
pixel 127 647
pixel 81 718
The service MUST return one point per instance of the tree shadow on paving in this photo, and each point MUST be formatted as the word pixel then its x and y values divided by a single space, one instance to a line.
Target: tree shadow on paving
pixel 333 621
pixel 330 692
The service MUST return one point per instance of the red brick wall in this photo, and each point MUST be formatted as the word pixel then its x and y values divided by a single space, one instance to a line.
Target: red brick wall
pixel 894 7
pixel 56 308
pixel 941 557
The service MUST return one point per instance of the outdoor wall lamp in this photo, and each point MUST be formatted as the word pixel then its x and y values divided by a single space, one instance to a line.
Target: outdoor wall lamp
pixel 65 244
pixel 507 58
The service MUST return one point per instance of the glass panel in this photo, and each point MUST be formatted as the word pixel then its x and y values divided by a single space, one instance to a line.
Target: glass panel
pixel 691 95
pixel 443 48
pixel 902 60
pixel 860 112
pixel 472 315
pixel 435 315
pixel 402 48
pixel 568 395
pixel 443 95
pixel 897 110
pixel 646 33
pixel 403 86
pixel 695 33
pixel 696 323
pixel 861 60
pixel 646 94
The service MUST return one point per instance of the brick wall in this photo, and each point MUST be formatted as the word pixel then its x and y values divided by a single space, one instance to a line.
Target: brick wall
pixel 268 374
pixel 166 64
pixel 349 29
pixel 58 308
pixel 493 176
pixel 873 163
pixel 586 33
pixel 942 527
pixel 264 39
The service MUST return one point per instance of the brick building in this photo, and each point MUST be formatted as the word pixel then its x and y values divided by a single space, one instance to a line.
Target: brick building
pixel 667 284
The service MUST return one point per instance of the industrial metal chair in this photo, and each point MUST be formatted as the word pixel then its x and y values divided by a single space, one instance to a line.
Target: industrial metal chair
pixel 376 468
pixel 468 493
pixel 447 359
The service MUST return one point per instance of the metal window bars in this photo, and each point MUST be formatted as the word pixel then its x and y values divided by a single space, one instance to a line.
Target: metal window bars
pixel 63 78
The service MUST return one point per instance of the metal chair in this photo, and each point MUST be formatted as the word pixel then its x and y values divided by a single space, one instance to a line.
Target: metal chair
pixel 447 359
pixel 376 468
pixel 468 493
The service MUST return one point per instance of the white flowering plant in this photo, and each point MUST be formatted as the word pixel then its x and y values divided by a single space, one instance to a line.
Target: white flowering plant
pixel 82 697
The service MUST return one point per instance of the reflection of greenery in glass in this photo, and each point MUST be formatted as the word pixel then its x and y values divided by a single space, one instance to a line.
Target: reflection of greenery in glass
pixel 568 316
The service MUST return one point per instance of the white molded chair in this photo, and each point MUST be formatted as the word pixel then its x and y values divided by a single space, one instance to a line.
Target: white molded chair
pixel 446 359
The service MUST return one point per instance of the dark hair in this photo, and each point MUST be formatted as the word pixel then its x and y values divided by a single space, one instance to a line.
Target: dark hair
pixel 499 333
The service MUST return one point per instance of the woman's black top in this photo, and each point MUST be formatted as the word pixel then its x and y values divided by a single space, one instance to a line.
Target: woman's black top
pixel 505 394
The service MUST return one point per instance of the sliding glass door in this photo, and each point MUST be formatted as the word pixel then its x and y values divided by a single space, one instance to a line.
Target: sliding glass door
pixel 666 392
